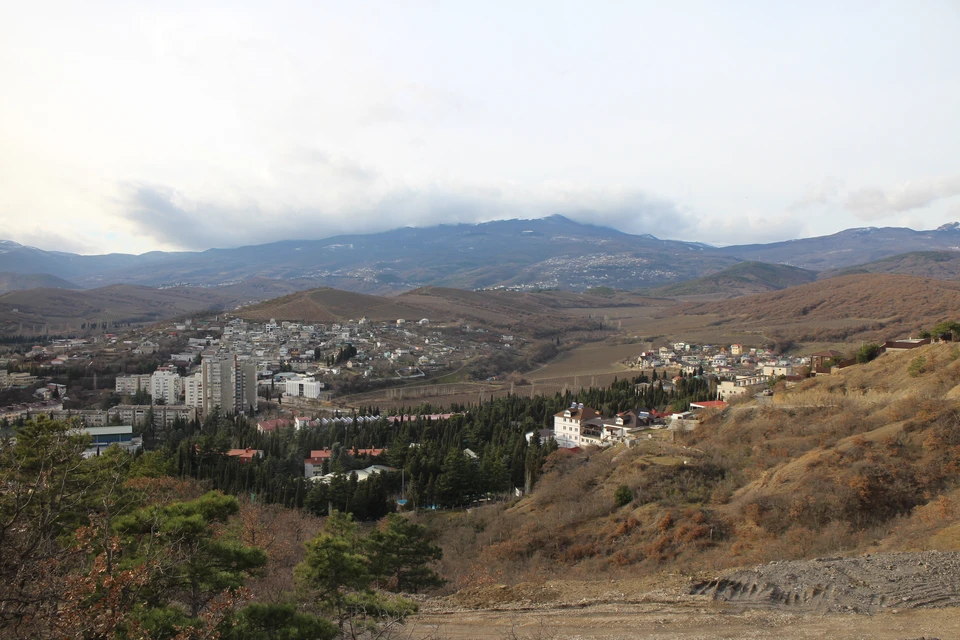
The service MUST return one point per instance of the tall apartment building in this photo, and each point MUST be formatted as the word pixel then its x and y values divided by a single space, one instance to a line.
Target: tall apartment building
pixel 129 385
pixel 193 390
pixel 228 383
pixel 165 384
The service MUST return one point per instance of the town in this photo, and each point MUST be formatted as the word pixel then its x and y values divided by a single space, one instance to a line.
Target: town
pixel 288 374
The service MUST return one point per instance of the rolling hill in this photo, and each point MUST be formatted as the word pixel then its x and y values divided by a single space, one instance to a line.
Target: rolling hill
pixel 526 313
pixel 941 265
pixel 855 307
pixel 740 279
pixel 62 311
pixel 18 281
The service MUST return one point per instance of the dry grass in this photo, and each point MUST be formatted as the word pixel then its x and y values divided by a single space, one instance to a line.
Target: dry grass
pixel 863 460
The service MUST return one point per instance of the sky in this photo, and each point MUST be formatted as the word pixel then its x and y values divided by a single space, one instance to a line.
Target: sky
pixel 139 126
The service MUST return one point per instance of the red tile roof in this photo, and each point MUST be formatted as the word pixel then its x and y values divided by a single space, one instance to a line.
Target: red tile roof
pixel 319 455
pixel 710 404
pixel 244 455
pixel 273 425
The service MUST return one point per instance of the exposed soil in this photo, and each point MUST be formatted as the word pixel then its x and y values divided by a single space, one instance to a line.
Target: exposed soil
pixel 886 596
pixel 865 584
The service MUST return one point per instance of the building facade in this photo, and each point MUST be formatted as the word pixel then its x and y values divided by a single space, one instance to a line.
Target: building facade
pixel 165 384
pixel 129 385
pixel 228 384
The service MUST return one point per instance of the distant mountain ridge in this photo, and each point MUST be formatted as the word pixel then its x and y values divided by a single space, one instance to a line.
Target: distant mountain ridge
pixel 552 252
pixel 850 247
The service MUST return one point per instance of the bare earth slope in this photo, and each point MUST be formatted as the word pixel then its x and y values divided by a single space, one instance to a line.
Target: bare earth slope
pixel 865 584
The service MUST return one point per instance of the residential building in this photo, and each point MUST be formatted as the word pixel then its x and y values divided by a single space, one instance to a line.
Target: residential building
pixel 245 456
pixel 130 385
pixel 87 417
pixel 818 360
pixel 362 474
pixel 727 389
pixel 567 424
pixel 775 371
pixel 166 385
pixel 313 466
pixel 905 345
pixel 193 390
pixel 228 384
pixel 269 426
pixel 163 415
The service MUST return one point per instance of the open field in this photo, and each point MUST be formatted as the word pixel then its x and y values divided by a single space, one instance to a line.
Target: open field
pixel 596 358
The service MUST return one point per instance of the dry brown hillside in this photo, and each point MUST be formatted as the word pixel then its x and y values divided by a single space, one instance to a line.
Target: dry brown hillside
pixel 525 313
pixel 866 460
pixel 856 307
pixel 64 310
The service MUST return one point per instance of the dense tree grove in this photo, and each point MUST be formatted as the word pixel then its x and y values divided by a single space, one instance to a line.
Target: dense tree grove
pixel 130 546
pixel 435 469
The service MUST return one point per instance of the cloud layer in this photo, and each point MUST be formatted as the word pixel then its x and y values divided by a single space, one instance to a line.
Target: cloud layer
pixel 877 204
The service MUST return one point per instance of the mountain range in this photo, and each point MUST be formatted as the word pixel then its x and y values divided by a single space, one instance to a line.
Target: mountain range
pixel 552 252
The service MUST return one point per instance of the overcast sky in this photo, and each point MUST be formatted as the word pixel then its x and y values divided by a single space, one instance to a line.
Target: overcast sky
pixel 134 126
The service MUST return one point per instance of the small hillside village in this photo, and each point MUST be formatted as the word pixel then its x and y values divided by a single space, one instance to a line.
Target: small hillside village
pixel 228 365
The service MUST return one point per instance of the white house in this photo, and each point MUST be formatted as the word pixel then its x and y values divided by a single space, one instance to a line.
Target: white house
pixel 567 425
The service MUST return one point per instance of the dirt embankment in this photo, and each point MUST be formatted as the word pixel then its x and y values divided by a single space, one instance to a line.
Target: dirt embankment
pixel 903 596
pixel 864 584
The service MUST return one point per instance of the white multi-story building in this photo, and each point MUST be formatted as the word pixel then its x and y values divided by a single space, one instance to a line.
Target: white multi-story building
pixel 304 388
pixel 568 423
pixel 228 384
pixel 193 390
pixel 166 385
pixel 129 385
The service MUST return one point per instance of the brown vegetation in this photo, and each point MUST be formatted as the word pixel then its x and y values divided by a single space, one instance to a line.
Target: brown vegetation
pixel 868 459
pixel 868 307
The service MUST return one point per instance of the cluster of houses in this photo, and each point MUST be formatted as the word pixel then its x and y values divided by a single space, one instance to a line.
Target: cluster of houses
pixel 580 426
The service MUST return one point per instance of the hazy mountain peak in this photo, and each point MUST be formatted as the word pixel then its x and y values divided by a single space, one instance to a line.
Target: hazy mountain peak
pixel 950 226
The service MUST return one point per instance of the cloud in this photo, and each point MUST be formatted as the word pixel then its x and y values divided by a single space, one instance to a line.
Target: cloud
pixel 752 228
pixel 168 216
pixel 817 194
pixel 874 203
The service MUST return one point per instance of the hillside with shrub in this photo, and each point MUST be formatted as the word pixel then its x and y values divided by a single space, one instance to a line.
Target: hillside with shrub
pixel 741 279
pixel 865 460
pixel 871 307
pixel 940 265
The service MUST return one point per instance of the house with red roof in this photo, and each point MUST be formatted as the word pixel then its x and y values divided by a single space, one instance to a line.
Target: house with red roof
pixel 313 466
pixel 244 455
pixel 269 426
